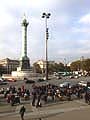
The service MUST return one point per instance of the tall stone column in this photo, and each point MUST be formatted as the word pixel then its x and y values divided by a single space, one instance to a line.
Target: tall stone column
pixel 24 37
pixel 24 62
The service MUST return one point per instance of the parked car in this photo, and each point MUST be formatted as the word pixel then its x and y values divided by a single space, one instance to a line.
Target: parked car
pixel 76 76
pixel 11 80
pixel 29 81
pixel 83 83
pixel 71 76
pixel 40 80
pixel 59 77
pixel 2 82
pixel 65 84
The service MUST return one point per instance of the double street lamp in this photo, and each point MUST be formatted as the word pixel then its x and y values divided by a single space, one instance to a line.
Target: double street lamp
pixel 46 16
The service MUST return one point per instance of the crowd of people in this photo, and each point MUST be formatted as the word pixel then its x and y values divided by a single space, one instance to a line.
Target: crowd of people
pixel 56 93
pixel 13 94
pixel 44 92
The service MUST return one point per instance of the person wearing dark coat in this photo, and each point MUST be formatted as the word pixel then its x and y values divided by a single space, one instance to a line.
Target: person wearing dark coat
pixel 34 96
pixel 39 94
pixel 22 111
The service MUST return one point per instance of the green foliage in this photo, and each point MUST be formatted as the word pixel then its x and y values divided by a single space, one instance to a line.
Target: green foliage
pixel 75 66
pixel 81 65
pixel 52 67
pixel 56 67
pixel 86 65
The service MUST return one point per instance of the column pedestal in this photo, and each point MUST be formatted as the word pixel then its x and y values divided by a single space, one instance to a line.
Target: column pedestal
pixel 24 64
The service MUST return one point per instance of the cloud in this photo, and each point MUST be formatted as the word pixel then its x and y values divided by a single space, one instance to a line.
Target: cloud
pixel 81 30
pixel 62 20
pixel 76 53
pixel 84 46
pixel 85 19
pixel 5 18
pixel 64 52
pixel 30 3
pixel 67 37
pixel 84 51
pixel 84 42
pixel 72 48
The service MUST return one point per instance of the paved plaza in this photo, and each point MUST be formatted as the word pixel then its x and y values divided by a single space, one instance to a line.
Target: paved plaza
pixel 76 109
pixel 61 110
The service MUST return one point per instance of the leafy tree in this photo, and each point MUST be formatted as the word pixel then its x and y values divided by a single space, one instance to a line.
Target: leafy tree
pixel 52 67
pixel 55 67
pixel 75 66
pixel 86 65
pixel 0 70
pixel 81 65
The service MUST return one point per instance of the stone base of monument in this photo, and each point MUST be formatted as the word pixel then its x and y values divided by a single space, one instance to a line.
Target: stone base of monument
pixel 24 74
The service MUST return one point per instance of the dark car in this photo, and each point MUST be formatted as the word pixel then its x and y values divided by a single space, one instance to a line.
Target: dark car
pixel 40 80
pixel 71 76
pixel 59 77
pixel 29 81
pixel 3 82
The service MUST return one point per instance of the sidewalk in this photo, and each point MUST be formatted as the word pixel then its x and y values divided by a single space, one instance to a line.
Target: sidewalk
pixel 54 112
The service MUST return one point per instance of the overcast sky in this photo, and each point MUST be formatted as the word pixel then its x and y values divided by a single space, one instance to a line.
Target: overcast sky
pixel 69 29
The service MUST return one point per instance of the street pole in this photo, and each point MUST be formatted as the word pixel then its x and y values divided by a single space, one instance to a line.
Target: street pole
pixel 65 66
pixel 46 16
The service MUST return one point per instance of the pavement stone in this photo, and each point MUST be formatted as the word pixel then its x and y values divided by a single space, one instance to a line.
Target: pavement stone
pixel 54 112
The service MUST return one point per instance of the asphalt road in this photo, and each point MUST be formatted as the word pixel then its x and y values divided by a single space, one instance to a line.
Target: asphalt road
pixel 54 81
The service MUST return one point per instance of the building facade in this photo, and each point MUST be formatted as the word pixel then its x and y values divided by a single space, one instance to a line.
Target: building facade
pixel 42 64
pixel 8 65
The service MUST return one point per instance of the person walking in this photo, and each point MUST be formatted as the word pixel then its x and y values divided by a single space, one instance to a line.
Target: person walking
pixel 39 94
pixel 22 111
pixel 34 95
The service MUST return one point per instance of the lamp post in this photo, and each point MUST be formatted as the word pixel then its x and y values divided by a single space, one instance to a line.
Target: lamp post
pixel 46 16
pixel 65 66
pixel 81 64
